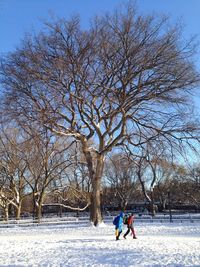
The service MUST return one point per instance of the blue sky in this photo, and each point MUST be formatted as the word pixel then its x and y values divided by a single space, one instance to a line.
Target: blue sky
pixel 20 16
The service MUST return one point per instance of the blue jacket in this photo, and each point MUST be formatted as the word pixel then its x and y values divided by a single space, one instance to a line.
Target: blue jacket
pixel 119 221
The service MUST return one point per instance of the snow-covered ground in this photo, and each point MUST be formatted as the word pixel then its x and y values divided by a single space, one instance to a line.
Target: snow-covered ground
pixel 158 244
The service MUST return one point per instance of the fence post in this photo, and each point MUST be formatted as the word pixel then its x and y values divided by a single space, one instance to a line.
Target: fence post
pixel 170 210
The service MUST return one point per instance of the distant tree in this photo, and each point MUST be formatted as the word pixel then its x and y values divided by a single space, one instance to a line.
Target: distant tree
pixel 156 174
pixel 71 190
pixel 12 170
pixel 190 186
pixel 47 159
pixel 125 81
pixel 168 182
pixel 121 179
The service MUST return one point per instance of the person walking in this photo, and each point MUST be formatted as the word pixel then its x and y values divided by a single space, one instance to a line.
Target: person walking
pixel 130 226
pixel 118 222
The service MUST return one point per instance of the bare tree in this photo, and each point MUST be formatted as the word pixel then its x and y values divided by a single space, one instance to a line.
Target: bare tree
pixel 123 82
pixel 6 198
pixel 120 177
pixel 68 197
pixel 189 184
pixel 155 173
pixel 12 170
pixel 166 173
pixel 72 189
pixel 47 159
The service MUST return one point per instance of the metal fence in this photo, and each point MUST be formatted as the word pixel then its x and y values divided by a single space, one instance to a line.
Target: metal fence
pixel 70 221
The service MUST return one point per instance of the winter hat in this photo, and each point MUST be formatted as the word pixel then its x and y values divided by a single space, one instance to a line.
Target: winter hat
pixel 121 214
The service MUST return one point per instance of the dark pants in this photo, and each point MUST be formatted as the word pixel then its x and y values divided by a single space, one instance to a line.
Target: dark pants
pixel 128 231
pixel 118 234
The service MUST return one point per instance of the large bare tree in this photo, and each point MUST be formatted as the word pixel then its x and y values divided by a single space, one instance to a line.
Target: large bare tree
pixel 12 169
pixel 124 81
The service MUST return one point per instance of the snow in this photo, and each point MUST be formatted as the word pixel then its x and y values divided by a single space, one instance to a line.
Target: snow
pixel 77 245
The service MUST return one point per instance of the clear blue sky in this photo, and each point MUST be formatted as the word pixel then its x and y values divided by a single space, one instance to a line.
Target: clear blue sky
pixel 20 16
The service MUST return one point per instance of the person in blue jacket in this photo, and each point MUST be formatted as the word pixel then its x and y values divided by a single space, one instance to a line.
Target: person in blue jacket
pixel 118 222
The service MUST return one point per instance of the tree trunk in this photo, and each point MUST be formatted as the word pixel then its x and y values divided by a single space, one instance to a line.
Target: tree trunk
pixel 95 177
pixel 96 216
pixel 18 212
pixel 152 209
pixel 6 216
pixel 152 206
pixel 38 214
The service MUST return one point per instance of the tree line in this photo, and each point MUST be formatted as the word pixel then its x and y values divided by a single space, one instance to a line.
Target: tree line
pixel 74 97
pixel 42 170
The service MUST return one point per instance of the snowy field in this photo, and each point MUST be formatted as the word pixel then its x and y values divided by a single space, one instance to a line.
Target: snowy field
pixel 158 244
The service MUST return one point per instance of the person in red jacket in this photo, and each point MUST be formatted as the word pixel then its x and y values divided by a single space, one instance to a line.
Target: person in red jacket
pixel 130 226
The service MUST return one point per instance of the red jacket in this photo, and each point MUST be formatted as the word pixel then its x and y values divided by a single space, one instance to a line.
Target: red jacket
pixel 130 220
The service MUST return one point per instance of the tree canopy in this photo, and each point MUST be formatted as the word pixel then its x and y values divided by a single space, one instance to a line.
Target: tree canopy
pixel 123 82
